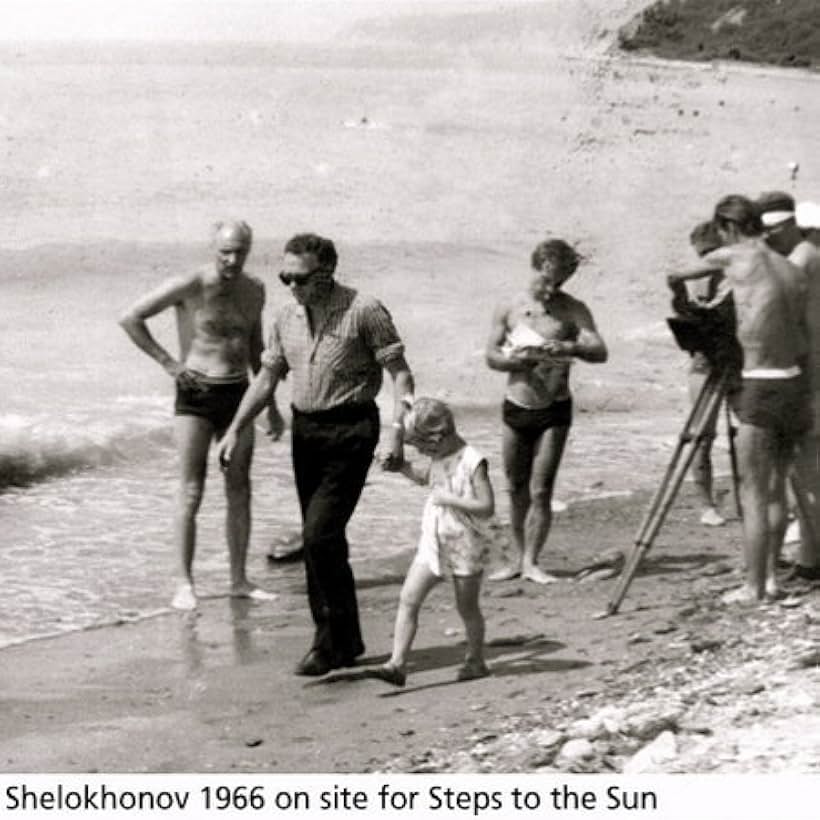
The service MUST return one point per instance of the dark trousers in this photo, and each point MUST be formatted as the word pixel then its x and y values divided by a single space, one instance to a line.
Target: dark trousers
pixel 332 452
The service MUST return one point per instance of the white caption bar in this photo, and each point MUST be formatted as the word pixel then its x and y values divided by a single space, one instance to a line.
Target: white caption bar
pixel 422 796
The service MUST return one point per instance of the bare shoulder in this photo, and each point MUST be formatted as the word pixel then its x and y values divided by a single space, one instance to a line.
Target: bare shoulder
pixel 574 309
pixel 174 289
pixel 254 287
pixel 573 302
pixel 204 277
pixel 508 310
pixel 723 256
pixel 255 282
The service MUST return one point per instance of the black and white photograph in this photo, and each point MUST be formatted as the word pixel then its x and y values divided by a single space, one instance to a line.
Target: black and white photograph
pixel 413 386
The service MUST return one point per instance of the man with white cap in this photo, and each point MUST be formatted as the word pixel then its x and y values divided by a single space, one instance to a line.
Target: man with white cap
pixel 807 255
pixel 778 214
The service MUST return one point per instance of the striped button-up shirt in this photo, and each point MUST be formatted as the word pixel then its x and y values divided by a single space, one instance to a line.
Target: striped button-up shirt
pixel 341 361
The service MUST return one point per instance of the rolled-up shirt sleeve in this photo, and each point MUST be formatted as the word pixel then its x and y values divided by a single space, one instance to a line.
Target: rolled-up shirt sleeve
pixel 380 333
pixel 273 356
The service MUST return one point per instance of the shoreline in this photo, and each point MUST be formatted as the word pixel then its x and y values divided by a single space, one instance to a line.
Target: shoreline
pixel 385 525
pixel 215 691
pixel 280 572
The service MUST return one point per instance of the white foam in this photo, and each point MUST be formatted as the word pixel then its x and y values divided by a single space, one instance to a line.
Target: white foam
pixel 37 446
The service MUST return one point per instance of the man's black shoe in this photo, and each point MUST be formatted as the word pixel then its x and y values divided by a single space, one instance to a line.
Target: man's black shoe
pixel 349 658
pixel 314 664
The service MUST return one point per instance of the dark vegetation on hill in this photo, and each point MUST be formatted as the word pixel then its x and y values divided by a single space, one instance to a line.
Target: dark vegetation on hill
pixel 778 32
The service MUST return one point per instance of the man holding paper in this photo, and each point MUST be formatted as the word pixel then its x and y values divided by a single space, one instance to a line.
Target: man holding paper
pixel 534 338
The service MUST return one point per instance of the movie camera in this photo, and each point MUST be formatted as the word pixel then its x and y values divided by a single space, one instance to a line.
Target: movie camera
pixel 707 330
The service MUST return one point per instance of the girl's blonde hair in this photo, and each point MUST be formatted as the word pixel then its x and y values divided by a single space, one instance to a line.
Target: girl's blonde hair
pixel 428 420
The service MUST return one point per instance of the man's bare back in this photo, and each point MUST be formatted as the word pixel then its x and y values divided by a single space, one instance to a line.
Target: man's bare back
pixel 769 297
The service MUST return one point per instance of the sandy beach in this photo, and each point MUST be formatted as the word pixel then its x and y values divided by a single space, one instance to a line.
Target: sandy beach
pixel 468 157
pixel 728 691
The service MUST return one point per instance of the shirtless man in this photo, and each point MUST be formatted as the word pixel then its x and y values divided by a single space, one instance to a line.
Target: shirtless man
pixel 533 339
pixel 784 235
pixel 772 401
pixel 219 323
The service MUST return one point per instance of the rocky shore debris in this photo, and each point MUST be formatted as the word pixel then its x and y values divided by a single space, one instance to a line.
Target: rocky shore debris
pixel 695 705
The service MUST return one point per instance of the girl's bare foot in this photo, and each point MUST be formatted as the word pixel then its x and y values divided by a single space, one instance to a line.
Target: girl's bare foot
pixel 473 669
pixel 390 674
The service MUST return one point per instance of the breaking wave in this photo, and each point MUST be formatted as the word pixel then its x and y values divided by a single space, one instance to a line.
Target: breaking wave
pixel 38 447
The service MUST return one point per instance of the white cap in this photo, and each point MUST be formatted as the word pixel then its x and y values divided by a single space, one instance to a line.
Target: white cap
pixel 808 215
pixel 770 218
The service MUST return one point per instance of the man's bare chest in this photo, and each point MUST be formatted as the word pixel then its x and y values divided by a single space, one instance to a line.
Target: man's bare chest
pixel 220 317
pixel 551 322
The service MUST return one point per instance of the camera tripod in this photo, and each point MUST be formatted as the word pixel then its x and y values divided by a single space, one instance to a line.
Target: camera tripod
pixel 695 432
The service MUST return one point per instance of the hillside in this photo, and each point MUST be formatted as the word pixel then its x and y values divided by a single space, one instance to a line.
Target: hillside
pixel 480 26
pixel 778 32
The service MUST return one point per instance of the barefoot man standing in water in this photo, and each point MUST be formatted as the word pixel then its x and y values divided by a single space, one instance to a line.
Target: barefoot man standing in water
pixel 533 339
pixel 219 322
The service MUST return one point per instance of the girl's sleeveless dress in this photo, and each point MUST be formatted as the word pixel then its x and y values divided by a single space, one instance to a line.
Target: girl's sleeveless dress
pixel 453 542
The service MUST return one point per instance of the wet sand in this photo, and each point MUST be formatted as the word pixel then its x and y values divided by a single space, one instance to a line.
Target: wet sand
pixel 215 691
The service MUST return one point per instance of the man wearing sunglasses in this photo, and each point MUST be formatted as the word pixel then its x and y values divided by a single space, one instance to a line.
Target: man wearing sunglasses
pixel 219 320
pixel 335 343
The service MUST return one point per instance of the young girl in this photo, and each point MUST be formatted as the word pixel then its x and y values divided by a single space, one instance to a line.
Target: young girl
pixel 455 536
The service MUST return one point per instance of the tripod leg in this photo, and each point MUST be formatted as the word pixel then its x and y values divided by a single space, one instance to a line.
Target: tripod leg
pixel 705 406
pixel 690 440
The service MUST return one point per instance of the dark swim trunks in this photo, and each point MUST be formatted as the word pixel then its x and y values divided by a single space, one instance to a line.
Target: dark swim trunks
pixel 531 422
pixel 215 402
pixel 782 405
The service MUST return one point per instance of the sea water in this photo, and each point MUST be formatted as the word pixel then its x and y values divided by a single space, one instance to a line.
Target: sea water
pixel 436 182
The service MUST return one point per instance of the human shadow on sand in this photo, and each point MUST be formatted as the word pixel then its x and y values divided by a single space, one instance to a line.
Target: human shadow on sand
pixel 655 564
pixel 508 656
pixel 295 585
pixel 389 579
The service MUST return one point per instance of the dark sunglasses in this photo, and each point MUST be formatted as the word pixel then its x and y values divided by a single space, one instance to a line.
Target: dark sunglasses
pixel 297 279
